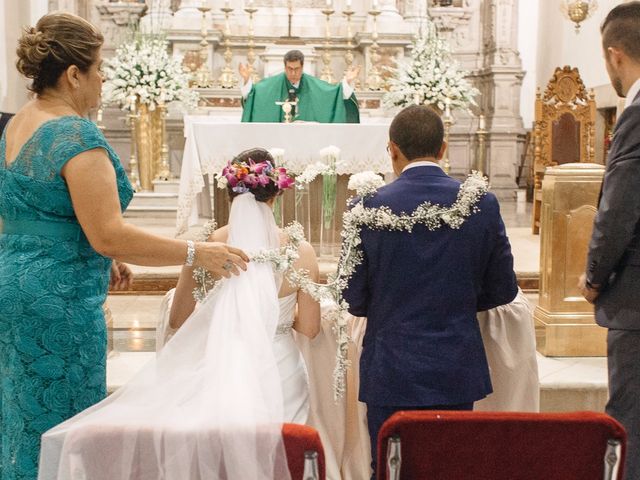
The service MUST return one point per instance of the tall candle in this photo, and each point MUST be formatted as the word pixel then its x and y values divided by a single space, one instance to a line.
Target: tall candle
pixel 328 3
pixel 447 108
pixel 481 123
pixel 348 4
pixel 99 116
pixel 374 4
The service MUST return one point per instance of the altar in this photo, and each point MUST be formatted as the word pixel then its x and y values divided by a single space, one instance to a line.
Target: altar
pixel 211 142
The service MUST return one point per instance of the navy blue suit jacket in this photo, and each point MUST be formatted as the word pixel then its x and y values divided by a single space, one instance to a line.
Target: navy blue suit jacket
pixel 421 291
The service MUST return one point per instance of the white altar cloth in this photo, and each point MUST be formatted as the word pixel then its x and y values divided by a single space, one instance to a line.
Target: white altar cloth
pixel 211 142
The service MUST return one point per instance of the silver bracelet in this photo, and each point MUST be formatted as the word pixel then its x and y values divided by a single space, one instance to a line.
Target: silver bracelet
pixel 191 253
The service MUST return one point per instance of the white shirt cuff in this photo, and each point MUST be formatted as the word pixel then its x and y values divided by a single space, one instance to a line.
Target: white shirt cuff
pixel 347 90
pixel 246 88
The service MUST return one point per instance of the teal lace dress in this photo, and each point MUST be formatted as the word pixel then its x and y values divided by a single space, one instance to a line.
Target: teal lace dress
pixel 52 290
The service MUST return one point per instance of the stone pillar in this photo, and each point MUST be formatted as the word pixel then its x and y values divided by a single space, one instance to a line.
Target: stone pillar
pixel 159 17
pixel 569 205
pixel 500 81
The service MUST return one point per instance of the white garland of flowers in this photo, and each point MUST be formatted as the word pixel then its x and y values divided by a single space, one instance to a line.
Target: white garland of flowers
pixel 143 68
pixel 432 216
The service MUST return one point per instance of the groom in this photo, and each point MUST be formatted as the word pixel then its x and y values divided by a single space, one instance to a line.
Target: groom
pixel 421 290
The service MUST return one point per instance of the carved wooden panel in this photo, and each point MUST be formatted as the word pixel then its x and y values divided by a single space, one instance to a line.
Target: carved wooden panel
pixel 564 128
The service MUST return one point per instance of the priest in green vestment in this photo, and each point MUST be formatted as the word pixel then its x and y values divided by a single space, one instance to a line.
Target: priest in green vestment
pixel 317 100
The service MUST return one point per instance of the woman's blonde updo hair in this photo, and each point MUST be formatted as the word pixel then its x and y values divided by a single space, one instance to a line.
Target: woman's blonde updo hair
pixel 58 41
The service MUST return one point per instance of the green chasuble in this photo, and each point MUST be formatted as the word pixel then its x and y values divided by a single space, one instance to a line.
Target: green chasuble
pixel 318 101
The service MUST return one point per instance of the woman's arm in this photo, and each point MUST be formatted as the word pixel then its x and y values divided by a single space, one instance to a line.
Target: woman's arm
pixel 91 181
pixel 308 317
pixel 183 302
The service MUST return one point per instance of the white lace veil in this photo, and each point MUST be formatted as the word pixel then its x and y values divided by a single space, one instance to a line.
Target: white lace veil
pixel 210 405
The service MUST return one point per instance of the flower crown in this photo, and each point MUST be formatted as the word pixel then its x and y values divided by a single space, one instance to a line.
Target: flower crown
pixel 245 176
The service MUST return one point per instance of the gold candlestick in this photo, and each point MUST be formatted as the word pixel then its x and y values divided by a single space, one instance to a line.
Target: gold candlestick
pixel 227 78
pixel 447 120
pixel 251 54
pixel 165 170
pixel 348 56
pixel 374 79
pixel 203 74
pixel 327 74
pixel 99 123
pixel 482 146
pixel 132 118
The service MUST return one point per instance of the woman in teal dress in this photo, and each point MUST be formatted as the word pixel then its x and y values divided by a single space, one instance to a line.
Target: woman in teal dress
pixel 62 193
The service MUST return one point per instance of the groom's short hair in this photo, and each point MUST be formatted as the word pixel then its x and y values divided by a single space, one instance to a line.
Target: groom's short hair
pixel 417 131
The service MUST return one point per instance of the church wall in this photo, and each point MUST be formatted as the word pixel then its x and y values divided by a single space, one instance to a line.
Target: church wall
pixel 14 15
pixel 559 45
pixel 528 19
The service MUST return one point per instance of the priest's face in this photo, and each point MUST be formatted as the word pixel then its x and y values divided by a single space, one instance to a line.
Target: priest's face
pixel 293 71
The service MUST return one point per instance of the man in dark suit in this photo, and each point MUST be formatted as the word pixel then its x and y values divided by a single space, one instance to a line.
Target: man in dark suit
pixel 4 119
pixel 421 290
pixel 612 279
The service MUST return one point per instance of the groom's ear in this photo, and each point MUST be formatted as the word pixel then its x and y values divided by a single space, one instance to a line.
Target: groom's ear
pixel 443 149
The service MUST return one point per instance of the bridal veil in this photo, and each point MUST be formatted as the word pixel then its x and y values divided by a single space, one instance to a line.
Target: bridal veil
pixel 209 406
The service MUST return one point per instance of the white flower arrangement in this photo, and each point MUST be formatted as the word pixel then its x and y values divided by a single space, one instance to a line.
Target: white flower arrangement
pixel 430 77
pixel 142 69
pixel 365 183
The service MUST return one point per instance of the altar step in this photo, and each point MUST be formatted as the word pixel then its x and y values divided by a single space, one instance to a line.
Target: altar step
pixel 161 203
pixel 158 283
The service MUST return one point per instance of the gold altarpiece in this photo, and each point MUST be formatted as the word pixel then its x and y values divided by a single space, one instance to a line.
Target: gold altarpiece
pixel 564 129
pixel 564 320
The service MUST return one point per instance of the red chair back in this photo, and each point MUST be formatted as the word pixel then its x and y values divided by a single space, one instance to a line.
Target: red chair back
pixel 451 445
pixel 299 439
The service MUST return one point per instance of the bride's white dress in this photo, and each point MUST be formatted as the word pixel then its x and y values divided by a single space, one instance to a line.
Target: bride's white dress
pixel 294 377
pixel 293 372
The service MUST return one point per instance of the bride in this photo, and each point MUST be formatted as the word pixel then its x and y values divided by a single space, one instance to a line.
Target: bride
pixel 212 403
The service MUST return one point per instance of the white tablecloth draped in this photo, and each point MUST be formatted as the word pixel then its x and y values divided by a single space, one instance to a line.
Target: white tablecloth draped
pixel 211 143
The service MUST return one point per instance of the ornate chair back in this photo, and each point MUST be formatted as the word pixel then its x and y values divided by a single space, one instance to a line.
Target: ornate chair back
pixel 564 129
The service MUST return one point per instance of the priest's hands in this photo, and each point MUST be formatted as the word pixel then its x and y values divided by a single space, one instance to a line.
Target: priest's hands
pixel 352 74
pixel 244 71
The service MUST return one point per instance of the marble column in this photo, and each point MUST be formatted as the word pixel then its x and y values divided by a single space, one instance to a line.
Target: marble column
pixel 500 82
pixel 158 18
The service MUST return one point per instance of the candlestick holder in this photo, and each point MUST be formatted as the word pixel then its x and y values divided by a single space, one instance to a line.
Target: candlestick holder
pixel 165 169
pixel 481 133
pixel 327 74
pixel 251 54
pixel 203 74
pixel 374 78
pixel 447 120
pixel 348 55
pixel 227 78
pixel 99 123
pixel 132 119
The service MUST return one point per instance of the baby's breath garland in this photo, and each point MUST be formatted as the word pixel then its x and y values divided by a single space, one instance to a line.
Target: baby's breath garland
pixel 432 216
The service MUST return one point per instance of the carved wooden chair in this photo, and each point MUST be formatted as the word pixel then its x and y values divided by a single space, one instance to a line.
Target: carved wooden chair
pixel 564 129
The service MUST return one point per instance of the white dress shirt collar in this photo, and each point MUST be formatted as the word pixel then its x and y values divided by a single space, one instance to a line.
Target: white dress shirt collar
pixel 631 94
pixel 422 163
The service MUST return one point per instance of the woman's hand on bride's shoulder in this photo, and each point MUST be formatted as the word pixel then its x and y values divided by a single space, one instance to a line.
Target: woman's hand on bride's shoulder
pixel 220 259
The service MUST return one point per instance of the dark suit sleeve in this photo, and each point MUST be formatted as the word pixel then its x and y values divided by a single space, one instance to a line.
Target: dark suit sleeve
pixel 357 292
pixel 499 285
pixel 619 209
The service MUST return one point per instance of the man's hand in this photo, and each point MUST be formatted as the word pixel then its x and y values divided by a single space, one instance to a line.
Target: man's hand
pixel 244 71
pixel 589 292
pixel 121 276
pixel 352 74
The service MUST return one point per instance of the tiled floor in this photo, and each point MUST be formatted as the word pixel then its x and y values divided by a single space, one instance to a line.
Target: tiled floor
pixel 565 383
